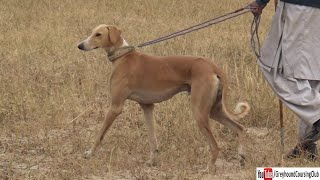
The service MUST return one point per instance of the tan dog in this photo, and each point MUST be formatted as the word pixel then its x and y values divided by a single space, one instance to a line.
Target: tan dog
pixel 150 79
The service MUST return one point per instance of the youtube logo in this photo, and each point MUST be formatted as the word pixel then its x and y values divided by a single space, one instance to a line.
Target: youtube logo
pixel 266 174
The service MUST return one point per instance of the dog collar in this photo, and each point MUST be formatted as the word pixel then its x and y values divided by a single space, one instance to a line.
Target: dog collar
pixel 115 54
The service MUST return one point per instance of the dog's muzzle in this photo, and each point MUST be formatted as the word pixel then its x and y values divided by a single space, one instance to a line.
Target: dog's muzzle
pixel 81 46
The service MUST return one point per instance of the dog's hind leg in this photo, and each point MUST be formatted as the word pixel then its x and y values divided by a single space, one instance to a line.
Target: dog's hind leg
pixel 148 116
pixel 221 116
pixel 203 94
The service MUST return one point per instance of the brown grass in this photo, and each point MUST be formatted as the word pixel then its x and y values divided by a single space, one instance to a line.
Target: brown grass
pixel 53 97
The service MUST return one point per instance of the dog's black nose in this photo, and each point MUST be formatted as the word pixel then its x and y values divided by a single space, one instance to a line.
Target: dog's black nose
pixel 81 46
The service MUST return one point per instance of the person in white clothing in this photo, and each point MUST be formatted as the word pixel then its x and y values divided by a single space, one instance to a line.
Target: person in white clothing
pixel 290 62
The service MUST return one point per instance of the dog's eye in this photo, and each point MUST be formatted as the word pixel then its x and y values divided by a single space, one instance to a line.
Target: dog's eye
pixel 98 34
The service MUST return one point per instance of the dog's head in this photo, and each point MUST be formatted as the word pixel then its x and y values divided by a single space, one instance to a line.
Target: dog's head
pixel 103 36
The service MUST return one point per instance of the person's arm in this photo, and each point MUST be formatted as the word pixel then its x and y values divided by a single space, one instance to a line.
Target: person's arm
pixel 262 2
pixel 257 6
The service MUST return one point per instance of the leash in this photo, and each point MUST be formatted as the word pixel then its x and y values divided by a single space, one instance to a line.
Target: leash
pixel 254 32
pixel 255 40
pixel 256 48
pixel 199 26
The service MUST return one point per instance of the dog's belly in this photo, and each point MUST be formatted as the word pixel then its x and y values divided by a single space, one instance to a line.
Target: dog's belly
pixel 149 97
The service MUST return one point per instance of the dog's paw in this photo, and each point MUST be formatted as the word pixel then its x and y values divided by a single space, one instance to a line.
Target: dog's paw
pixel 211 168
pixel 242 160
pixel 87 154
pixel 154 159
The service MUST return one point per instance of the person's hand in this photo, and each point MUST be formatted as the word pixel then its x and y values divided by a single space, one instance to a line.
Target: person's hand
pixel 256 9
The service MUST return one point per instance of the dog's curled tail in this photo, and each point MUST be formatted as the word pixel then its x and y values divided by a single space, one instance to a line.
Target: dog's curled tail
pixel 242 108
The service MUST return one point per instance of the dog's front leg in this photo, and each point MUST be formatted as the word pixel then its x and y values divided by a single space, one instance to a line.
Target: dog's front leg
pixel 148 116
pixel 114 111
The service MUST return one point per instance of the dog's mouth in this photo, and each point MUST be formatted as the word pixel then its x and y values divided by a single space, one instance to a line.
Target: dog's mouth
pixel 95 47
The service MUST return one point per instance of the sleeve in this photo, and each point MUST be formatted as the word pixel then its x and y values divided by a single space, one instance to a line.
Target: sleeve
pixel 262 2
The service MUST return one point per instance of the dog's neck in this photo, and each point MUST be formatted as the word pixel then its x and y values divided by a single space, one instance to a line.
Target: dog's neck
pixel 119 44
pixel 116 52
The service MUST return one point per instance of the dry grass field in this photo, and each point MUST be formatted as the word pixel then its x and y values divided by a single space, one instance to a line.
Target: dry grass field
pixel 53 97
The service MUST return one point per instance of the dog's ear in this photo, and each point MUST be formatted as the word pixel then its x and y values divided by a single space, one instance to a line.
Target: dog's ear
pixel 114 34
